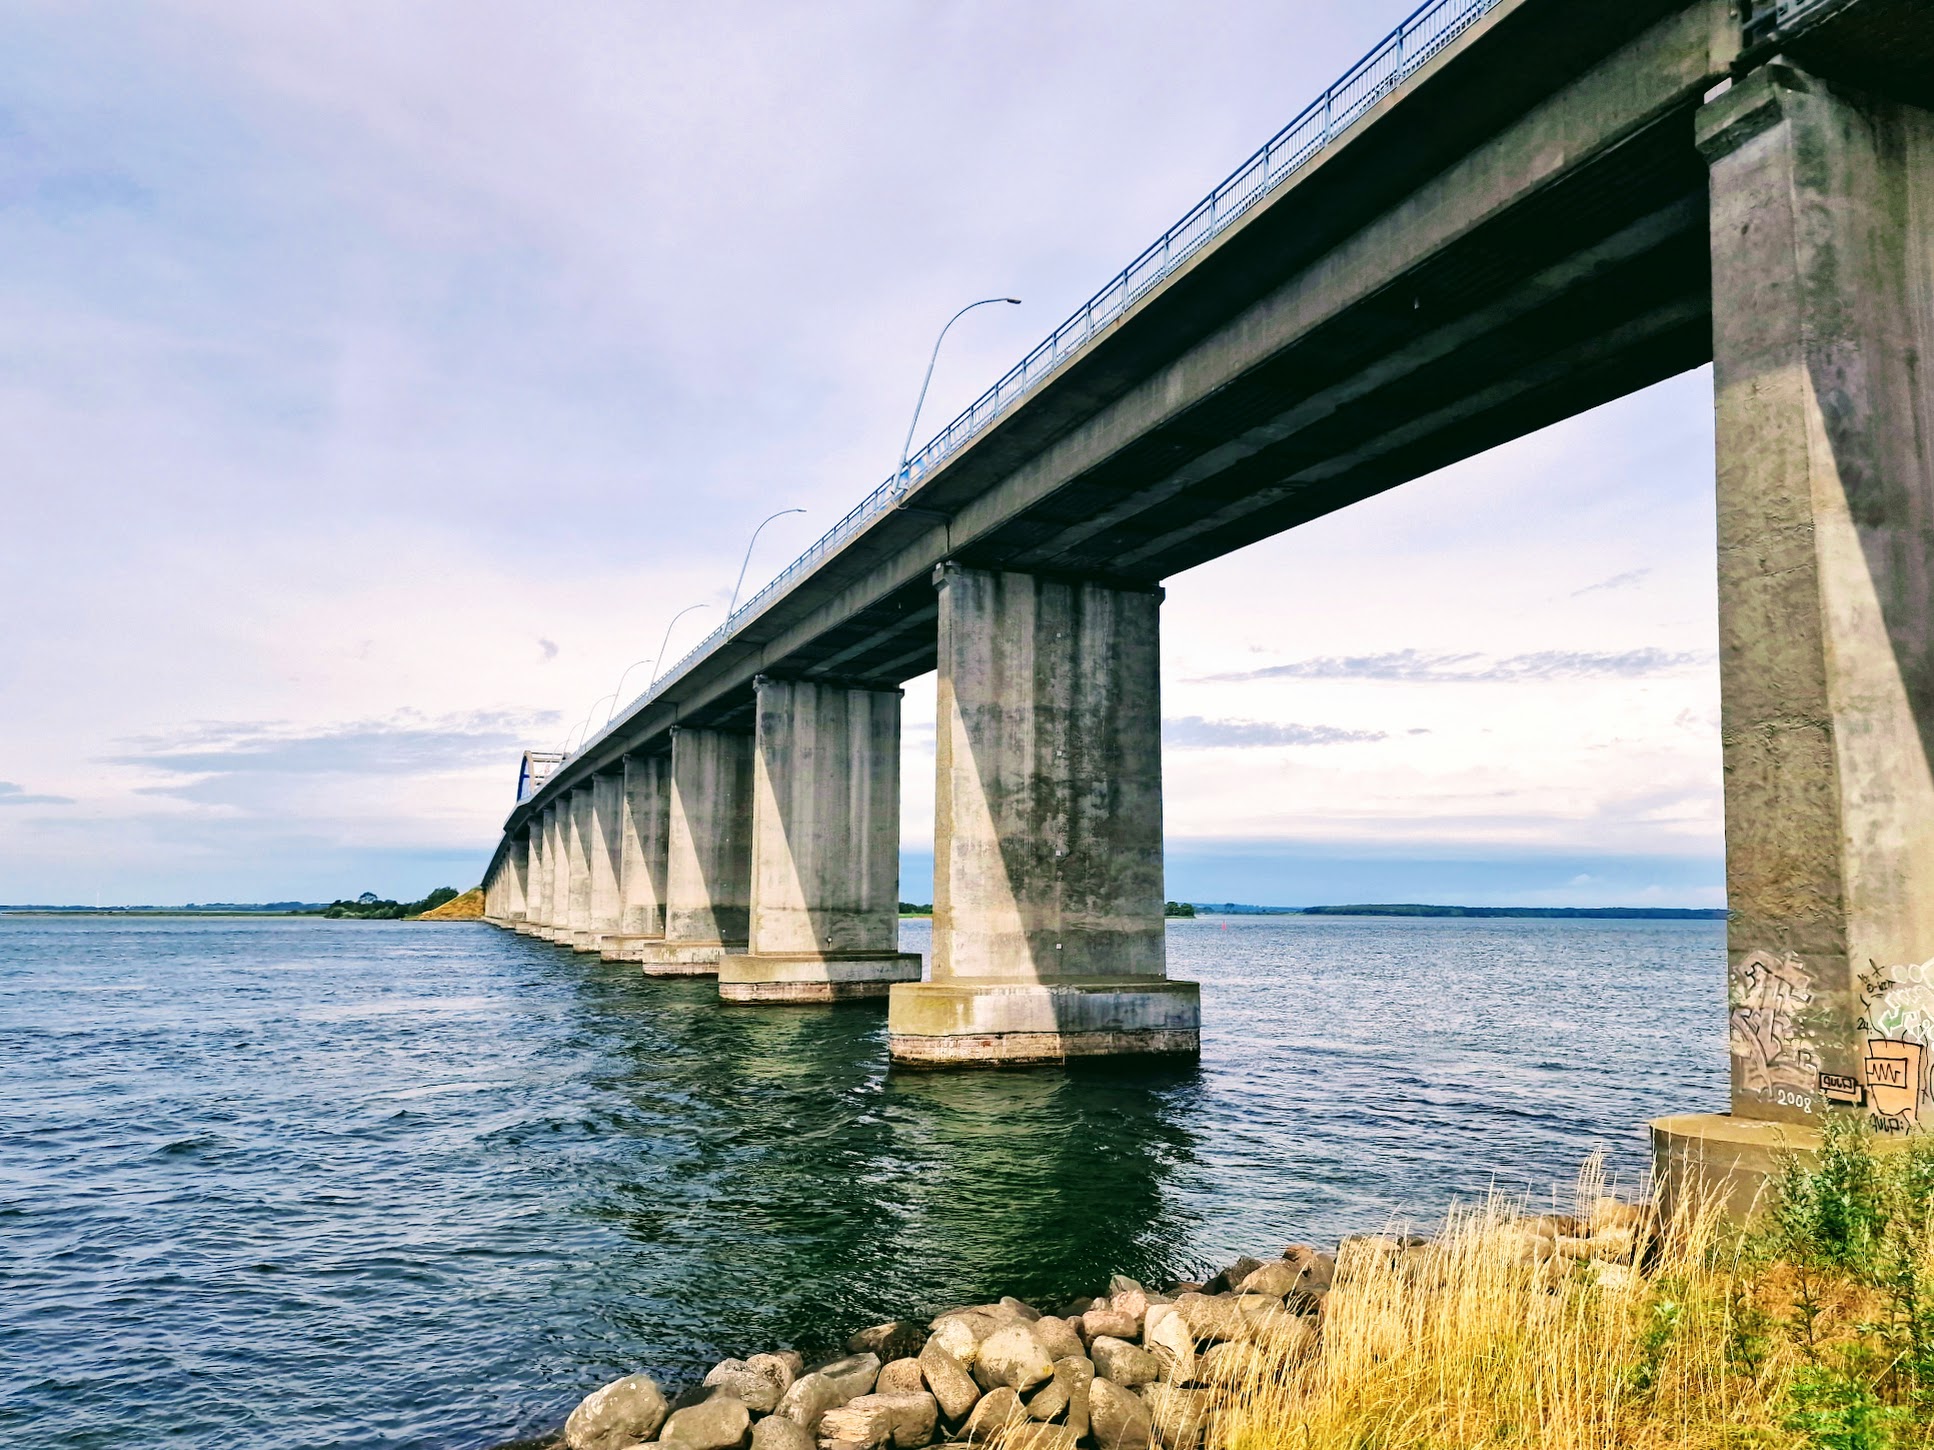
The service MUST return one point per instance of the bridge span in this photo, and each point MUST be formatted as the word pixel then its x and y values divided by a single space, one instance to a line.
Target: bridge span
pixel 1511 211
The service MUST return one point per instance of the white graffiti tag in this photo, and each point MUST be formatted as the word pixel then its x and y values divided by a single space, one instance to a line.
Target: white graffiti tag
pixel 1766 1042
pixel 1897 1028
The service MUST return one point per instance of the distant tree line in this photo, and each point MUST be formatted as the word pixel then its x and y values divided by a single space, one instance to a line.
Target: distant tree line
pixel 370 907
pixel 1178 908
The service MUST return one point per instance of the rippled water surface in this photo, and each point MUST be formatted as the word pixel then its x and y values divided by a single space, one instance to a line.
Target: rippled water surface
pixel 296 1183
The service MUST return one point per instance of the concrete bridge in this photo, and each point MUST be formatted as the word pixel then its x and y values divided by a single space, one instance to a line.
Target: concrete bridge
pixel 1513 210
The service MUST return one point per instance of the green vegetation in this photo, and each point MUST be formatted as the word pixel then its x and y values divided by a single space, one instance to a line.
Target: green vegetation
pixel 1566 913
pixel 370 907
pixel 1177 908
pixel 916 908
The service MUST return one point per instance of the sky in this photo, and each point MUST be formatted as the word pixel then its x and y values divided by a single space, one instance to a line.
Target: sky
pixel 378 381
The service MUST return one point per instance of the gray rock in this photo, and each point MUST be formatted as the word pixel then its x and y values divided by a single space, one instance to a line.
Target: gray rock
pixel 808 1400
pixel 720 1423
pixel 1133 1302
pixel 1277 1279
pixel 1213 1316
pixel 1165 1329
pixel 996 1411
pixel 1111 1322
pixel 1065 1392
pixel 854 1375
pixel 1126 1364
pixel 775 1432
pixel 948 1380
pixel 1181 1416
pixel 901 1377
pixel 1039 1437
pixel 1025 1311
pixel 759 1390
pixel 896 1339
pixel 1229 1364
pixel 781 1367
pixel 1122 1284
pixel 1057 1336
pixel 619 1415
pixel 1118 1418
pixel 868 1422
pixel 1011 1356
pixel 1075 1308
pixel 961 1332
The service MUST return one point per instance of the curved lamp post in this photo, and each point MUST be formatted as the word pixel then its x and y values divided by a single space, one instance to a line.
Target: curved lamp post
pixel 748 560
pixel 668 639
pixel 587 720
pixel 906 448
pixel 619 693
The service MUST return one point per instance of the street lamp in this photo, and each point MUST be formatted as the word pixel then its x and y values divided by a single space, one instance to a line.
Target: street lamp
pixel 587 720
pixel 618 694
pixel 748 560
pixel 668 639
pixel 906 449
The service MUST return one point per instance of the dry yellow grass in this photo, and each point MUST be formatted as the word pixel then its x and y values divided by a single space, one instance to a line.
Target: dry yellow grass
pixel 1475 1341
pixel 467 907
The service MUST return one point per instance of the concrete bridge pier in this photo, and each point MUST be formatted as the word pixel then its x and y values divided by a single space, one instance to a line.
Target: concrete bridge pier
pixel 644 808
pixel 1823 334
pixel 1048 936
pixel 505 893
pixel 545 921
pixel 603 842
pixel 708 852
pixel 825 870
pixel 578 851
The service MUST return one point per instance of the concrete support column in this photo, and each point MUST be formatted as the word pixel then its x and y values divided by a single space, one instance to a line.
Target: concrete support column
pixel 643 828
pixel 825 870
pixel 602 845
pixel 517 862
pixel 708 873
pixel 549 917
pixel 1048 936
pixel 1823 342
pixel 576 814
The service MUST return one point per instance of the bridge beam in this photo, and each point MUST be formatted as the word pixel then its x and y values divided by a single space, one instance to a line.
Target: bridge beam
pixel 708 869
pixel 1048 937
pixel 825 919
pixel 1823 293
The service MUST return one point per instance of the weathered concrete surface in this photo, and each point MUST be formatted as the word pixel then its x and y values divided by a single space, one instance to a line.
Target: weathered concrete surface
pixel 1047 829
pixel 578 850
pixel 708 854
pixel 1728 1159
pixel 603 848
pixel 1823 288
pixel 647 812
pixel 825 907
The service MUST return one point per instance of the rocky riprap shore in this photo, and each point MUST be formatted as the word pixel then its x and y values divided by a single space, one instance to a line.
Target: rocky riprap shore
pixel 1132 1369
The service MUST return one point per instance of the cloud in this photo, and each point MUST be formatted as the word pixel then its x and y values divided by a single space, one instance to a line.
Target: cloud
pixel 548 648
pixel 13 795
pixel 1415 667
pixel 1617 581
pixel 1192 732
pixel 405 744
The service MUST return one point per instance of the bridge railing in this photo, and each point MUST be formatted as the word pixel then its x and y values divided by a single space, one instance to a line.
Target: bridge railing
pixel 1392 60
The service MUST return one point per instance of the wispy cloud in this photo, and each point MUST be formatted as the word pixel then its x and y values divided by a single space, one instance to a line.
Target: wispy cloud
pixel 1415 667
pixel 405 744
pixel 13 795
pixel 1617 581
pixel 1192 732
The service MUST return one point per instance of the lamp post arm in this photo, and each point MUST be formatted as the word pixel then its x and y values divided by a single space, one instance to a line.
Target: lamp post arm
pixel 668 639
pixel 906 448
pixel 746 563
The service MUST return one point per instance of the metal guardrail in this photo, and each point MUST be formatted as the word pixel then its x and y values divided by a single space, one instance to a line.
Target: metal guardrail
pixel 1391 61
pixel 1767 20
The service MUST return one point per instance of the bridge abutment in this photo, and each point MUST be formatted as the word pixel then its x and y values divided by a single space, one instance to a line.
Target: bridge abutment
pixel 708 853
pixel 1823 331
pixel 1048 935
pixel 825 870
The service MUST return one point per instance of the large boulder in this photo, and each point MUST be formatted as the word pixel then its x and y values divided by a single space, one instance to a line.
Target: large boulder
pixel 760 1390
pixel 997 1410
pixel 868 1422
pixel 784 1365
pixel 896 1339
pixel 1126 1364
pixel 1065 1396
pixel 775 1432
pixel 1057 1336
pixel 1119 1419
pixel 1181 1416
pixel 625 1412
pixel 721 1422
pixel 1164 1329
pixel 1115 1323
pixel 827 1388
pixel 1234 1363
pixel 1125 1296
pixel 1039 1437
pixel 948 1381
pixel 1213 1316
pixel 1230 1277
pixel 1012 1357
pixel 1024 1311
pixel 1277 1279
pixel 961 1332
pixel 901 1377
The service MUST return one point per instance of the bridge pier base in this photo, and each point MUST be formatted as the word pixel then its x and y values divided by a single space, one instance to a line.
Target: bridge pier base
pixel 1823 325
pixel 1048 936
pixel 708 851
pixel 825 911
